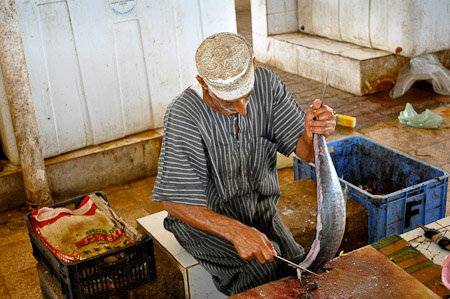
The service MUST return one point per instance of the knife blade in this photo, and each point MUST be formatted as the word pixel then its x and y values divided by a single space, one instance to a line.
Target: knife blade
pixel 294 265
pixel 324 88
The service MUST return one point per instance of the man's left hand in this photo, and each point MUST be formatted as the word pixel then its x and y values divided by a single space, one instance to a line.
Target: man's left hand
pixel 320 120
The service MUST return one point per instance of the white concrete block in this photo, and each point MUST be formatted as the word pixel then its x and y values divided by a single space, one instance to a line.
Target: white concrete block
pixel 290 5
pixel 282 22
pixel 331 46
pixel 275 6
pixel 408 27
pixel 325 18
pixel 285 56
pixel 354 22
pixel 343 73
pixel 262 48
pixel 259 17
pixel 353 68
pixel 304 15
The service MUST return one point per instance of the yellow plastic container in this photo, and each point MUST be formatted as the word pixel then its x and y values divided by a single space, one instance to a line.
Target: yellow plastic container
pixel 345 120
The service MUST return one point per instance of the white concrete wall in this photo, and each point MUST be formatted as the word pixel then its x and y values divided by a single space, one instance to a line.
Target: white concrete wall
pixel 351 67
pixel 281 16
pixel 270 17
pixel 101 70
pixel 407 27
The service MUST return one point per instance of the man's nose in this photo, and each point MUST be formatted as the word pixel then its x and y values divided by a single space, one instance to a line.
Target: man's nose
pixel 241 106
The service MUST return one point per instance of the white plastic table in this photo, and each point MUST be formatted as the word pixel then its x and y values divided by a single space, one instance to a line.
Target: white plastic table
pixel 197 282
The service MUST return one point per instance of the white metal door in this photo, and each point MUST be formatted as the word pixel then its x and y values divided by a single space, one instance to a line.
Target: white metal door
pixel 103 69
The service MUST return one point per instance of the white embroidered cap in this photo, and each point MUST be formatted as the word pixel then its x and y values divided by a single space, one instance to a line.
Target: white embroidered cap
pixel 224 61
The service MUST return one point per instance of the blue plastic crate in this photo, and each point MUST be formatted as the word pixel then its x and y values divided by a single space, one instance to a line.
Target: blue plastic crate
pixel 412 191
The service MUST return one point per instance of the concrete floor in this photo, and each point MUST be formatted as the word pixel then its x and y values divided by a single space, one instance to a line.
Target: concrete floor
pixel 376 118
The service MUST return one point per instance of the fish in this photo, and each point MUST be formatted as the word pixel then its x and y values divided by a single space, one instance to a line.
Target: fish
pixel 331 210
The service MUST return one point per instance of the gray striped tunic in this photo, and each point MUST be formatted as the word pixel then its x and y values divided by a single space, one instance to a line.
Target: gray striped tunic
pixel 204 163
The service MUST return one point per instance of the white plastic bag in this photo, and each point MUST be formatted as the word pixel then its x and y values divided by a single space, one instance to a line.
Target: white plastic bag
pixel 426 67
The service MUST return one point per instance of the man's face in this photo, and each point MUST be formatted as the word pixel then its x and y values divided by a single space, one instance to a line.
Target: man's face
pixel 238 105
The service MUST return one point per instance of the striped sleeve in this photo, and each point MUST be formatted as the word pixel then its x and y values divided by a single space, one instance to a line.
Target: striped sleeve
pixel 182 167
pixel 288 118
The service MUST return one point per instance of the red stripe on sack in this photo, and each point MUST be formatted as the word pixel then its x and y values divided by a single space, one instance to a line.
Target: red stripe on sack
pixel 41 224
pixel 59 254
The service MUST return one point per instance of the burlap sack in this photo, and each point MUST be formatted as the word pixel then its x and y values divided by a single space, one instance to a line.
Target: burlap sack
pixel 76 234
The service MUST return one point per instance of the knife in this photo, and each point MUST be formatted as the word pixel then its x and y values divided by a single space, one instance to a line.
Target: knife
pixel 324 88
pixel 294 265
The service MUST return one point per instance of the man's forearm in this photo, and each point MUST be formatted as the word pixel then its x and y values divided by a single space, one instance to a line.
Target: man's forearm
pixel 304 149
pixel 203 218
pixel 248 241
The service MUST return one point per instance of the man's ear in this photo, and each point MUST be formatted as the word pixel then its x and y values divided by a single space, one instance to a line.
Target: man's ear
pixel 254 63
pixel 202 83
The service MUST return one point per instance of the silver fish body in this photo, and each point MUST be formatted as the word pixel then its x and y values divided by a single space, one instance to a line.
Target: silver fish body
pixel 331 209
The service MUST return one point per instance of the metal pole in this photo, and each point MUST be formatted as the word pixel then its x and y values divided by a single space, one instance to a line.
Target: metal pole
pixel 18 92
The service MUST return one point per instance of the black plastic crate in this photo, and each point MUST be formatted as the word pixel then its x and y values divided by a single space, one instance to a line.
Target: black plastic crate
pixel 95 277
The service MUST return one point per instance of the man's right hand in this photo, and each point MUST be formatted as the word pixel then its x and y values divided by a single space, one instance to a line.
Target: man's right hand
pixel 248 241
